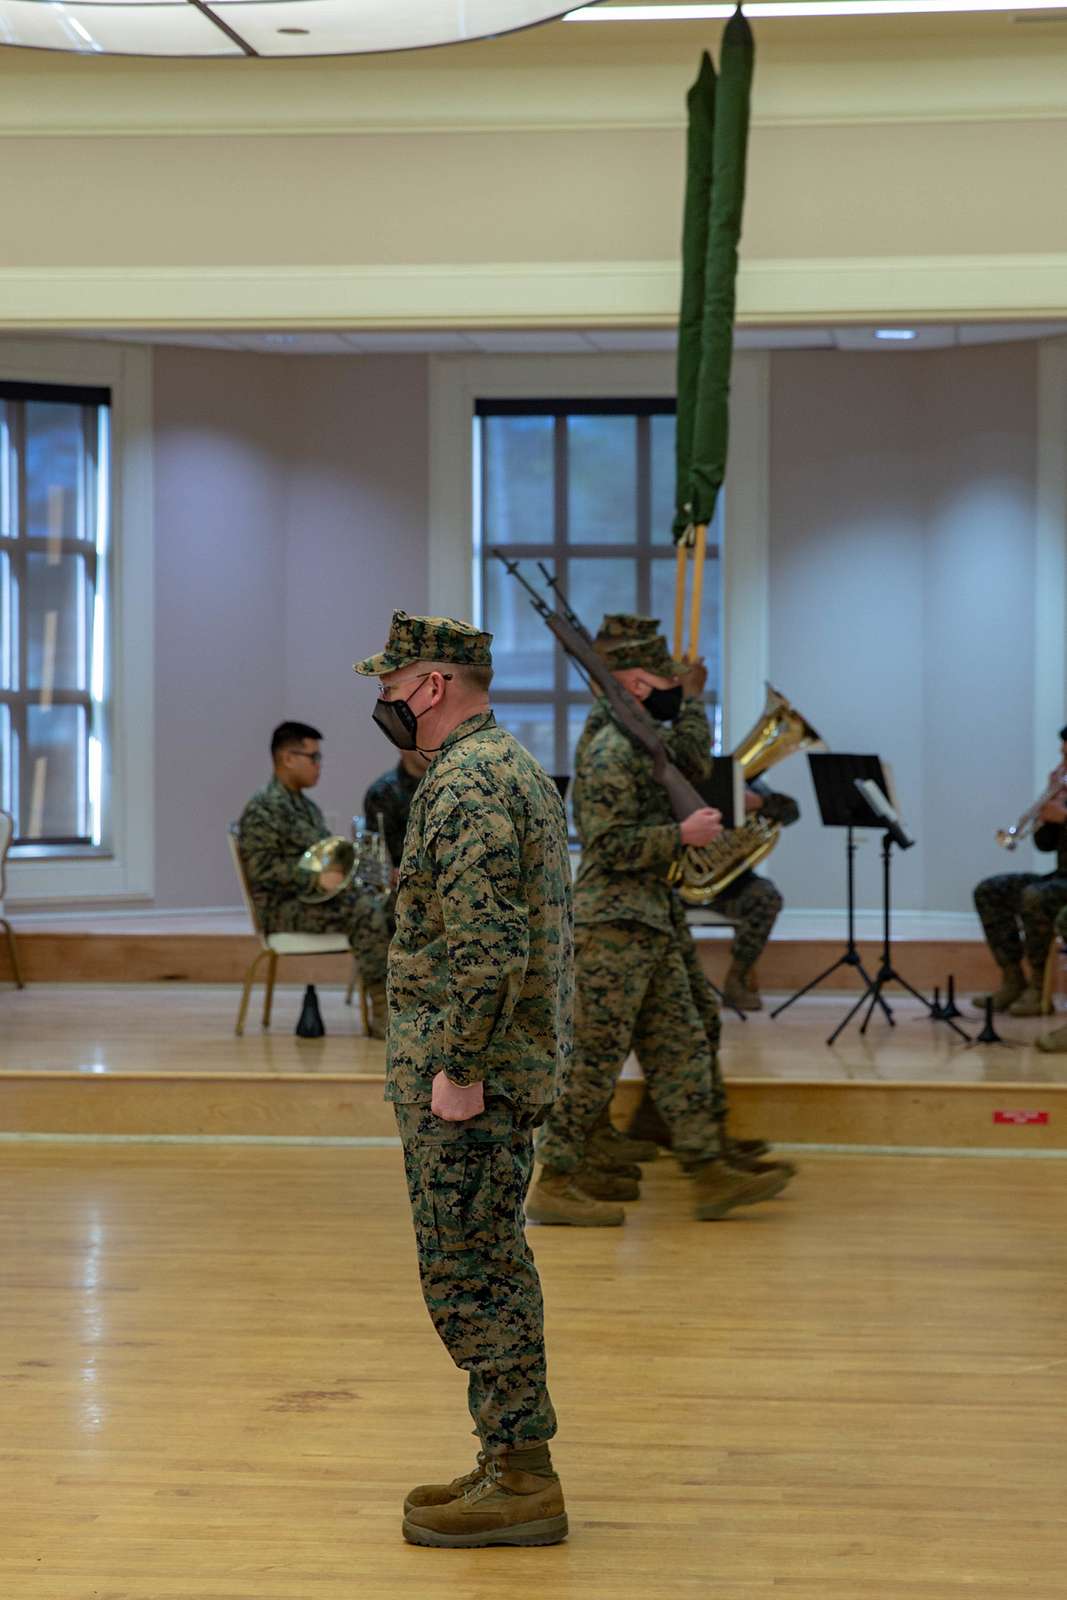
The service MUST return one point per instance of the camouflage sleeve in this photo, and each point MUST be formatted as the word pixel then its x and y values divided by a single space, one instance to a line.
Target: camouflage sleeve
pixel 689 741
pixel 270 855
pixel 475 854
pixel 612 823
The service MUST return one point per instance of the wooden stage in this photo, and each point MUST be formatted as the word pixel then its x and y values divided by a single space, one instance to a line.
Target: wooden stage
pixel 128 1059
pixel 220 1381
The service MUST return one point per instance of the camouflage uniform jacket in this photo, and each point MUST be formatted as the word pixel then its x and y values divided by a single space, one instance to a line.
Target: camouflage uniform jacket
pixel 481 965
pixel 386 806
pixel 626 828
pixel 277 826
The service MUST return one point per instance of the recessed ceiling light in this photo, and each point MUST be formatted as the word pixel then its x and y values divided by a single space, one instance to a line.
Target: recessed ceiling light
pixel 801 8
pixel 901 335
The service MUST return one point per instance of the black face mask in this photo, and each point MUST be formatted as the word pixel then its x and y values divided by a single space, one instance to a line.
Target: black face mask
pixel 399 723
pixel 663 704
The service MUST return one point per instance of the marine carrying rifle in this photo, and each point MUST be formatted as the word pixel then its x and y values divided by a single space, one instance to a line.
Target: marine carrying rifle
pixel 630 715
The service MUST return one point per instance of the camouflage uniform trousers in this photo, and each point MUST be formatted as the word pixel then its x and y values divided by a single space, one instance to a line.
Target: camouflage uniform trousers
pixel 634 989
pixel 1018 912
pixel 363 917
pixel 467 1182
pixel 707 1003
pixel 753 903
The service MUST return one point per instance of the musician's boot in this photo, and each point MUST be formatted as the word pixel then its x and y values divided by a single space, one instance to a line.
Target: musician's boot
pixel 1031 1003
pixel 1012 985
pixel 739 989
pixel 556 1201
pixel 1054 1043
pixel 377 1011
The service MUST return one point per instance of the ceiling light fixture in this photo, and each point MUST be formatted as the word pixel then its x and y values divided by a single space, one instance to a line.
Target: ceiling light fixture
pixel 897 335
pixel 801 8
pixel 236 28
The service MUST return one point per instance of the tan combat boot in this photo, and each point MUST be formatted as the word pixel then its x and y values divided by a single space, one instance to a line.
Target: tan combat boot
pixel 604 1185
pixel 556 1201
pixel 439 1494
pixel 1054 1043
pixel 516 1500
pixel 739 989
pixel 616 1149
pixel 1031 1003
pixel 377 1012
pixel 741 1161
pixel 1012 985
pixel 718 1189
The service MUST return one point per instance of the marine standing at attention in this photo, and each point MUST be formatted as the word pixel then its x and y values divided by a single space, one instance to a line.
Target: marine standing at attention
pixel 480 975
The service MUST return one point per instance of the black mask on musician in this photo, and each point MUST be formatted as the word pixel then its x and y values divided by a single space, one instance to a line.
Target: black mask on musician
pixel 663 704
pixel 397 720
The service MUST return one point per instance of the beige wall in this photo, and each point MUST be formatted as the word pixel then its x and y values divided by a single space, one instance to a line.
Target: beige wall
pixel 903 531
pixel 290 515
pixel 537 179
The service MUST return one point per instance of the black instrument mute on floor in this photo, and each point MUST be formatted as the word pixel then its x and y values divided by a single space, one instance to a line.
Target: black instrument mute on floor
pixel 310 1024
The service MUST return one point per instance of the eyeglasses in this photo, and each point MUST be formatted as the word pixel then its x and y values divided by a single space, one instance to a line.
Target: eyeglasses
pixel 387 690
pixel 309 755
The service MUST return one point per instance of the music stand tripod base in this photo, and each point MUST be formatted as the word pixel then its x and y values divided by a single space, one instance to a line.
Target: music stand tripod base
pixel 887 973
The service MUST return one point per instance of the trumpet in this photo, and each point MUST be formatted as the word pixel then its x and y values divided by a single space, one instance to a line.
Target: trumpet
pixel 1008 838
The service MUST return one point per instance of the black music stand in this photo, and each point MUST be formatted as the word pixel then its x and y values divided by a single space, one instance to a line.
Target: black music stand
pixel 841 805
pixel 877 798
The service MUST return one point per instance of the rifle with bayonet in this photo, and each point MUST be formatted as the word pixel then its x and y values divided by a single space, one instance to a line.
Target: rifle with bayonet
pixel 627 712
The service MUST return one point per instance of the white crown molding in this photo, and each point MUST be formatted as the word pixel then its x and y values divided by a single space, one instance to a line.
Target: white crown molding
pixel 529 86
pixel 527 294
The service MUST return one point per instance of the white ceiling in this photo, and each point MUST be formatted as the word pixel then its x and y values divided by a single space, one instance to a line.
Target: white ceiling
pixel 585 342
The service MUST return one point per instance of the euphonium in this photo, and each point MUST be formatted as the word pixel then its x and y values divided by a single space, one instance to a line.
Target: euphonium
pixel 779 731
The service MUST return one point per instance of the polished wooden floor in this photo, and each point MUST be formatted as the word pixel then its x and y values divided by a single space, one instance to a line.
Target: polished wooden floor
pixel 219 1381
pixel 167 1028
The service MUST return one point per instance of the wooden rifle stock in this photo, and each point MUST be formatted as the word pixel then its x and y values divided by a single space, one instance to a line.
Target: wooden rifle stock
pixel 628 712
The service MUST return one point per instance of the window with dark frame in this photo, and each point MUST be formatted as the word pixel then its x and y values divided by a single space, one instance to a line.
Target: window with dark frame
pixel 54 526
pixel 586 487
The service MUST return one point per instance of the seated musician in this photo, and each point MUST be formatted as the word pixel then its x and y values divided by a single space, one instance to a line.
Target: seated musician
pixel 1019 909
pixel 277 825
pixel 753 903
pixel 387 802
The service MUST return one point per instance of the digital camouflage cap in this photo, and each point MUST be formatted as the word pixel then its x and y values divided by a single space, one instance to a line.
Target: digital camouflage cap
pixel 428 639
pixel 625 640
